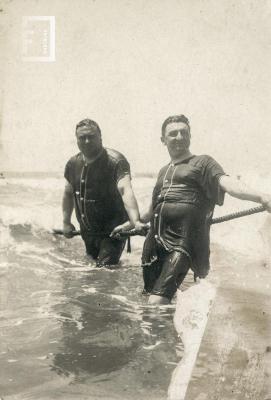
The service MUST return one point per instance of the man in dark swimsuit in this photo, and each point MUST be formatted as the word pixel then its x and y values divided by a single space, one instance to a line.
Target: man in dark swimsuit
pixel 184 197
pixel 98 185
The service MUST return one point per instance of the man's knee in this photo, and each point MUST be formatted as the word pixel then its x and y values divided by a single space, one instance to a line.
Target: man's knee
pixel 150 275
pixel 174 270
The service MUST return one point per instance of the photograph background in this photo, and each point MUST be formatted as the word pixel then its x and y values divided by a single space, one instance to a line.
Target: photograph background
pixel 130 64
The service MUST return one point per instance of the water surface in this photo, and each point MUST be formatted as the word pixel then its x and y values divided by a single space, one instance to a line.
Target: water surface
pixel 68 329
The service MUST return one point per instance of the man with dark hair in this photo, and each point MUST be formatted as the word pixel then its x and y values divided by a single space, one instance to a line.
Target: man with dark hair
pixel 174 118
pixel 98 185
pixel 183 201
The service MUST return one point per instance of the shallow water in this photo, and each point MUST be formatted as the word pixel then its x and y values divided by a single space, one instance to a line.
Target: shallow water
pixel 69 330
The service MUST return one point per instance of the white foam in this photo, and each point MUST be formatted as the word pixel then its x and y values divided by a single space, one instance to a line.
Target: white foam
pixel 31 250
pixel 119 297
pixel 45 216
pixel 90 290
pixel 5 238
pixel 151 347
pixel 190 320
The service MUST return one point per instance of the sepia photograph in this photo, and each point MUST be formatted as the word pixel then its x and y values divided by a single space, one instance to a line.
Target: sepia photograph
pixel 135 200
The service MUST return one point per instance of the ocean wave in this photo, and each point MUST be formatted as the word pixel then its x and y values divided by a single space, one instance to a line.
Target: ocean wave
pixel 21 237
pixel 45 216
pixel 249 235
pixel 42 184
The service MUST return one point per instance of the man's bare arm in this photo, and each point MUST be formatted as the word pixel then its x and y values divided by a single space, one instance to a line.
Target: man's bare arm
pixel 146 216
pixel 236 188
pixel 67 209
pixel 126 191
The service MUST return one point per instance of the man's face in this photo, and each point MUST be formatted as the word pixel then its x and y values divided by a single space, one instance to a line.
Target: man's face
pixel 177 138
pixel 88 141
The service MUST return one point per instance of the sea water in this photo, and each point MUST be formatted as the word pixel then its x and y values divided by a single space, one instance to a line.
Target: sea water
pixel 70 330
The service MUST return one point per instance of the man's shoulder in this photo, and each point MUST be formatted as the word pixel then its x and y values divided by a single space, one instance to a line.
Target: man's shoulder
pixel 74 159
pixel 71 167
pixel 165 167
pixel 205 162
pixel 163 170
pixel 114 155
pixel 202 159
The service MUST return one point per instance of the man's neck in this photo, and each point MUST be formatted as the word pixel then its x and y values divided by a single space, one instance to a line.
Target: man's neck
pixel 181 157
pixel 89 160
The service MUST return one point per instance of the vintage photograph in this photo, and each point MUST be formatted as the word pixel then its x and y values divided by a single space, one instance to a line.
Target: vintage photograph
pixel 135 200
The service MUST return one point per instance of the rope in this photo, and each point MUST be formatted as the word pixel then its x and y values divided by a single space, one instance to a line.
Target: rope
pixel 120 235
pixel 237 214
pixel 133 232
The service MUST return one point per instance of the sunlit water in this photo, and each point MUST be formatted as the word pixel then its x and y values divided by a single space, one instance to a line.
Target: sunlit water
pixel 67 328
pixel 70 330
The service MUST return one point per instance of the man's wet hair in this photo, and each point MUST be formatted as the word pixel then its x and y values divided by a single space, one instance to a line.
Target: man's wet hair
pixel 88 123
pixel 175 118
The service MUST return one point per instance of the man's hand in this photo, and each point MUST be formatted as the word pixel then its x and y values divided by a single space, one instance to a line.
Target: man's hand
pixel 266 202
pixel 68 228
pixel 127 226
pixel 139 227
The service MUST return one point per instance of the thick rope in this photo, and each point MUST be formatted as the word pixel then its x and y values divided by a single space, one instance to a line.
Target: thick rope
pixel 133 232
pixel 237 214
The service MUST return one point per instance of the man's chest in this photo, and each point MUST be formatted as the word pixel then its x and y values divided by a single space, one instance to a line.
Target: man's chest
pixel 179 174
pixel 93 177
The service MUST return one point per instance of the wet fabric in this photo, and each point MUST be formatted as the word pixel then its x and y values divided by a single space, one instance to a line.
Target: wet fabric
pixel 105 250
pixel 183 201
pixel 98 204
pixel 164 276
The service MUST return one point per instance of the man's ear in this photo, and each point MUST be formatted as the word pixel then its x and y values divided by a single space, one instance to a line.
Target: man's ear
pixel 163 140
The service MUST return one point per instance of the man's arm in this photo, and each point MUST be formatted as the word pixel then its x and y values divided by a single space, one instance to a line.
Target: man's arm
pixel 67 209
pixel 236 188
pixel 126 191
pixel 146 216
